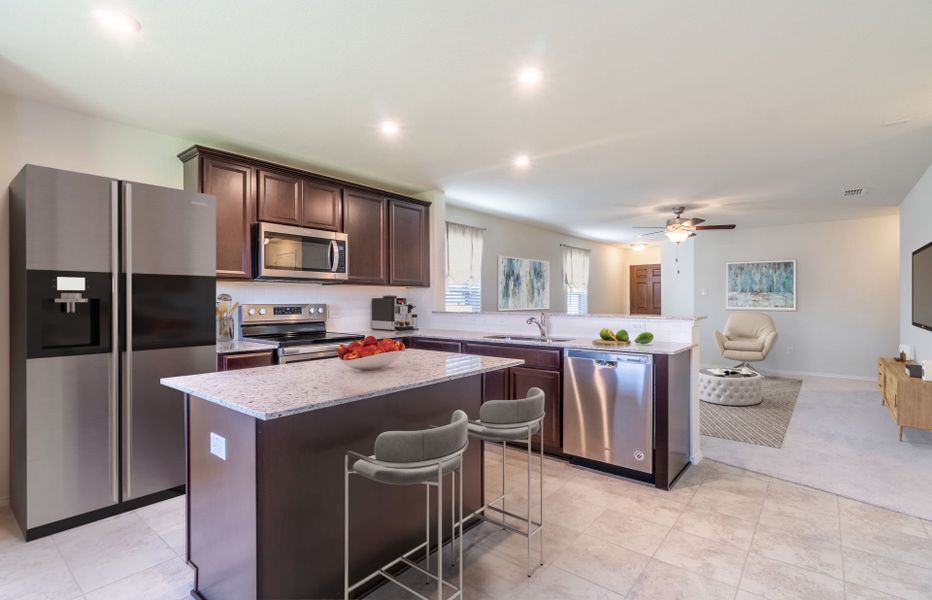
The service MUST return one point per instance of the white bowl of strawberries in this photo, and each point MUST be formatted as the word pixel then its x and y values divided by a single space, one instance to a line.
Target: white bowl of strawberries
pixel 370 354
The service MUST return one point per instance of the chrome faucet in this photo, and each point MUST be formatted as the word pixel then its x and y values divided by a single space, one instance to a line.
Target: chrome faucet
pixel 541 323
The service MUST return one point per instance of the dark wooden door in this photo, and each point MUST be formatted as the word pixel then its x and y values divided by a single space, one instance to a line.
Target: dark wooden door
pixel 522 379
pixel 232 184
pixel 365 221
pixel 323 205
pixel 409 251
pixel 279 198
pixel 645 290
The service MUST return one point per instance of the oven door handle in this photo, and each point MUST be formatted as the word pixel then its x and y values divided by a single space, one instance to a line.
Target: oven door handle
pixel 334 256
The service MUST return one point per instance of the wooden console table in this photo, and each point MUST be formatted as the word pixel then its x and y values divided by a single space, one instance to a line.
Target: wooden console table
pixel 909 399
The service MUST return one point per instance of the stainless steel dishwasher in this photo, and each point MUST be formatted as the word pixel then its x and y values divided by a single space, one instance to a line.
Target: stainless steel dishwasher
pixel 608 408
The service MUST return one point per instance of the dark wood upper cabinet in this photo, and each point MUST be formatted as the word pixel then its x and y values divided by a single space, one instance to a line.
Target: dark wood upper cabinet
pixel 279 198
pixel 389 234
pixel 409 246
pixel 365 221
pixel 322 205
pixel 233 184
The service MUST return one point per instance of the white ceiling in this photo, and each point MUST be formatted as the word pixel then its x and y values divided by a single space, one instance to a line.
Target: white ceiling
pixel 746 110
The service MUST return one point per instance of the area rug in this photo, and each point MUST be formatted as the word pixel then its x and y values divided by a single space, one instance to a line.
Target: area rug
pixel 763 424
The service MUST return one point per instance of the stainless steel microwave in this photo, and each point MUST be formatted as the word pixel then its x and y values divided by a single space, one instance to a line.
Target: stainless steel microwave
pixel 286 252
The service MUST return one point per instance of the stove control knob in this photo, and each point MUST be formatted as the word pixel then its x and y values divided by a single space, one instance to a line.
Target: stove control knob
pixel 261 311
pixel 251 311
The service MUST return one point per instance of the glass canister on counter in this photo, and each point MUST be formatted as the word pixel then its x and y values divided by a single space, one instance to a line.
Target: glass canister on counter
pixel 226 308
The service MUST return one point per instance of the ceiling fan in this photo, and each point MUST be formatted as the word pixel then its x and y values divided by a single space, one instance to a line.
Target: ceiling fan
pixel 678 229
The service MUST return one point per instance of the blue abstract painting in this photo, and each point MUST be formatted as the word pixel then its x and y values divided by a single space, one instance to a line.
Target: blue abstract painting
pixel 761 285
pixel 523 284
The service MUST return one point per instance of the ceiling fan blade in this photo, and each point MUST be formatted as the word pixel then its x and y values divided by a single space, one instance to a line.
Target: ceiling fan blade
pixel 648 227
pixel 651 233
pixel 706 227
pixel 693 222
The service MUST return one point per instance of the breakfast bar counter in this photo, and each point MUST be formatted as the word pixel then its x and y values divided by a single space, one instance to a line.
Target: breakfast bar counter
pixel 265 456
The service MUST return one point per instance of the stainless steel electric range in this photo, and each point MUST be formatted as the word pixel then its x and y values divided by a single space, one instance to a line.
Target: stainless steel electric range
pixel 298 331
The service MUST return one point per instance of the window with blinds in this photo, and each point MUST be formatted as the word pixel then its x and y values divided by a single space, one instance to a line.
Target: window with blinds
pixel 577 301
pixel 463 297
pixel 576 280
pixel 464 266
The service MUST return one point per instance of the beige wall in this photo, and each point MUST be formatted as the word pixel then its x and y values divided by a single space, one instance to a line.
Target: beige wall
pixel 39 134
pixel 915 232
pixel 847 293
pixel 504 237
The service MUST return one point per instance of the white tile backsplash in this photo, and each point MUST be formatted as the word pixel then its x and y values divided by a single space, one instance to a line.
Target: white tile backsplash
pixel 350 306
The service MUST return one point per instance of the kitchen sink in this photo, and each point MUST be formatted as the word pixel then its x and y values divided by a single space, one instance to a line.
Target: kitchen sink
pixel 526 338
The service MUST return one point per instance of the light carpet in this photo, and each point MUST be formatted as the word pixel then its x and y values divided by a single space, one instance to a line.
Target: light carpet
pixel 763 424
pixel 842 440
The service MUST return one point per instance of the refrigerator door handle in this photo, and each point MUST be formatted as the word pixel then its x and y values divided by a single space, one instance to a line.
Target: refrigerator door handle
pixel 334 256
pixel 128 360
pixel 114 400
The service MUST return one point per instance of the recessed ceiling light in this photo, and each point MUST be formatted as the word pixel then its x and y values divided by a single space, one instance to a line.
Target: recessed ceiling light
pixel 529 76
pixel 117 22
pixel 390 128
pixel 521 161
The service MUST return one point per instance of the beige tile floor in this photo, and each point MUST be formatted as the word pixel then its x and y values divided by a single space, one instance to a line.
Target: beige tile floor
pixel 721 533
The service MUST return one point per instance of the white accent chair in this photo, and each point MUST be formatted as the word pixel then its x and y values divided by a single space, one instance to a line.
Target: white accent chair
pixel 748 337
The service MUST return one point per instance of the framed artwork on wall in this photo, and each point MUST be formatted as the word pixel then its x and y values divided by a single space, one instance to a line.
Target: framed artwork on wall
pixel 523 283
pixel 760 285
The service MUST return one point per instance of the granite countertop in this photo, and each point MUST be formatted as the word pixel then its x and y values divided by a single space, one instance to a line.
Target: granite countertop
pixel 236 346
pixel 574 343
pixel 278 391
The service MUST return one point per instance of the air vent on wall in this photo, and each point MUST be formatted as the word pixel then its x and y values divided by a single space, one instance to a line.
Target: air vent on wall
pixel 854 192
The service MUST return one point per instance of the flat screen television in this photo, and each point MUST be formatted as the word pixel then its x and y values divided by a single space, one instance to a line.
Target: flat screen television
pixel 922 287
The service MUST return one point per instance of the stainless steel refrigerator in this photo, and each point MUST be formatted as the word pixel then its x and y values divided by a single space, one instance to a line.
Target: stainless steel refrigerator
pixel 112 287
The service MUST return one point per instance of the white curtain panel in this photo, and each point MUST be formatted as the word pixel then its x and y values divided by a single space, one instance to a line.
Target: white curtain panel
pixel 576 268
pixel 464 254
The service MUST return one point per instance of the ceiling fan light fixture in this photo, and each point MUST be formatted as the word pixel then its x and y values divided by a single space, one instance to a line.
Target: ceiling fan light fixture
pixel 678 236
pixel 638 247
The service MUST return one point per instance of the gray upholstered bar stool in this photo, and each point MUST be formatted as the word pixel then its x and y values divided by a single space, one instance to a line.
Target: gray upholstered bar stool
pixel 413 458
pixel 515 421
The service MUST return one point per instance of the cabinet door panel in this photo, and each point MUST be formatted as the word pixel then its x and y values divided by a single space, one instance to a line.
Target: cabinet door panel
pixel 244 360
pixel 438 345
pixel 365 222
pixel 495 385
pixel 232 184
pixel 409 253
pixel 279 198
pixel 523 379
pixel 542 358
pixel 322 205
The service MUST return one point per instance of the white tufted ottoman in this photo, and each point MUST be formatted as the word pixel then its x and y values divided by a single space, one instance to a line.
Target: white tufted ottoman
pixel 729 390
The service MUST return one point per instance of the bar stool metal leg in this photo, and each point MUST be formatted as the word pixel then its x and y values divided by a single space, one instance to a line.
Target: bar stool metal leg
pixel 504 446
pixel 541 532
pixel 346 472
pixel 439 533
pixel 427 528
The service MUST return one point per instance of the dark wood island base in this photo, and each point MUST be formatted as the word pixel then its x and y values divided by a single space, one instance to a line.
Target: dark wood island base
pixel 267 521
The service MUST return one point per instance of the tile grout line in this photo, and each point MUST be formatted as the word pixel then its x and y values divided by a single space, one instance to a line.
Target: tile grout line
pixel 753 535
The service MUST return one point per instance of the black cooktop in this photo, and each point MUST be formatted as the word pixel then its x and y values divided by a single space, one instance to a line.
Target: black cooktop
pixel 305 338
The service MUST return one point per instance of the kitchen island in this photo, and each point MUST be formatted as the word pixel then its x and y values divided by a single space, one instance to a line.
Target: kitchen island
pixel 265 452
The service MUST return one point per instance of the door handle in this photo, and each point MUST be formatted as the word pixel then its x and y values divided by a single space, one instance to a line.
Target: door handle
pixel 114 406
pixel 128 361
pixel 334 256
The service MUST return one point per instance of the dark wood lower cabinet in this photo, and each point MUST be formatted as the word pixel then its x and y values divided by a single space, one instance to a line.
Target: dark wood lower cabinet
pixel 543 368
pixel 245 360
pixel 521 380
